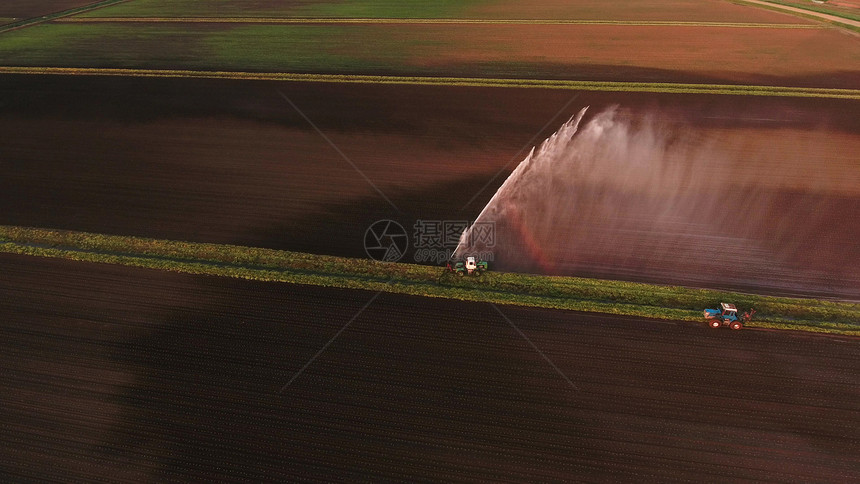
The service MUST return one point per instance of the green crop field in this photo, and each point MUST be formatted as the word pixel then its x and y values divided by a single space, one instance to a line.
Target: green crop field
pixel 303 48
pixel 705 10
pixel 286 48
pixel 299 48
pixel 613 297
pixel 359 8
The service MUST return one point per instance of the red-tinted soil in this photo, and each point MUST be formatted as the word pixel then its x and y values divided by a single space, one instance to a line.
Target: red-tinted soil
pixel 678 10
pixel 128 374
pixel 233 162
pixel 792 57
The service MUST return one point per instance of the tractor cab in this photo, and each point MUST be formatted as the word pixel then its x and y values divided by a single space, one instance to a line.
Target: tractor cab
pixel 471 266
pixel 729 311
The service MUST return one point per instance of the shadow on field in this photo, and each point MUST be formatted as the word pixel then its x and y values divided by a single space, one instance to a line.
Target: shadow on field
pixel 206 405
pixel 339 228
pixel 394 395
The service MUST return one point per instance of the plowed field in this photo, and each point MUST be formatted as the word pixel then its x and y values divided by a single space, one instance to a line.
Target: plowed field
pixel 130 374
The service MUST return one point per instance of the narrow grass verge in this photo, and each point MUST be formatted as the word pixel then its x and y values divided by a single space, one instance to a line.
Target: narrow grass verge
pixel 667 87
pixel 573 293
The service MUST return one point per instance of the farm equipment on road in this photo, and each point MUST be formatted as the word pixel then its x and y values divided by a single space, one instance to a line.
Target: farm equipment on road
pixel 471 266
pixel 727 315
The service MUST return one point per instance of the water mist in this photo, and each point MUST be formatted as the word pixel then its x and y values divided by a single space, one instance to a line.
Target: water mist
pixel 636 197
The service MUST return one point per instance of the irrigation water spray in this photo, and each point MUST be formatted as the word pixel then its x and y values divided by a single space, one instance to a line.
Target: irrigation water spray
pixel 636 197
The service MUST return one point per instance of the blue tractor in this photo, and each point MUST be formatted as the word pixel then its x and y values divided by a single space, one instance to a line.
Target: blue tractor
pixel 727 315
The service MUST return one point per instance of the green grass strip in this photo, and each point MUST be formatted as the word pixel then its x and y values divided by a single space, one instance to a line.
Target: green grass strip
pixel 664 87
pixel 573 293
pixel 332 20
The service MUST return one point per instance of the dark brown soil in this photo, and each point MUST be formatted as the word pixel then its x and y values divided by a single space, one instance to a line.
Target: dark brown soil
pixel 35 8
pixel 128 374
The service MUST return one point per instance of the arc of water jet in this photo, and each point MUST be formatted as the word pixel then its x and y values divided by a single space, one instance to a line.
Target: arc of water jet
pixel 523 166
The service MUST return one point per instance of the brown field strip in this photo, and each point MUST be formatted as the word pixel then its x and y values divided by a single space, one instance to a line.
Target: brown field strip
pixel 27 14
pixel 26 9
pixel 668 87
pixel 282 20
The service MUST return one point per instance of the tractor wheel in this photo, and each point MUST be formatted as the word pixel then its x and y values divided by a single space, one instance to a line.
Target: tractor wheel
pixel 715 323
pixel 736 325
pixel 461 273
